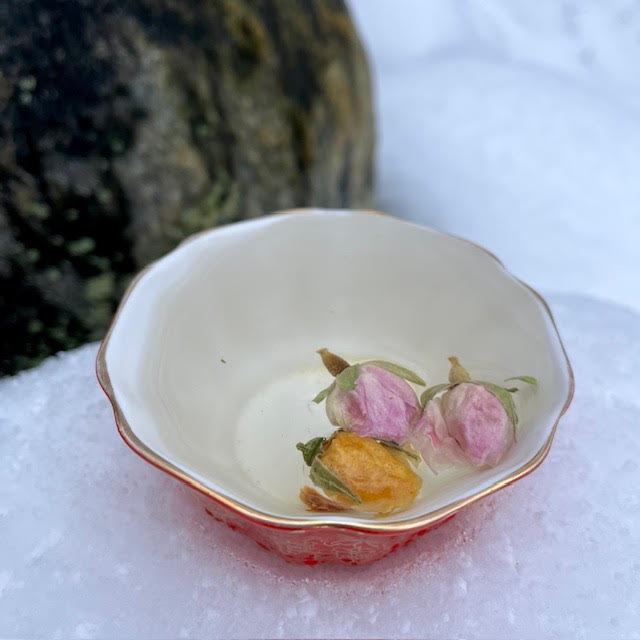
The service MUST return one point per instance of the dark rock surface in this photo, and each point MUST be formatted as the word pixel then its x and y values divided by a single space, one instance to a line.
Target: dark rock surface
pixel 125 126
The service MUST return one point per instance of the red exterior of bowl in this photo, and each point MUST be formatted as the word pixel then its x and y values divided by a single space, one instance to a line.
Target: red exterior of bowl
pixel 322 544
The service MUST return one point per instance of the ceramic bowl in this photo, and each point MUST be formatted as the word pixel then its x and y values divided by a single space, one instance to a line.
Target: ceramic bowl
pixel 210 364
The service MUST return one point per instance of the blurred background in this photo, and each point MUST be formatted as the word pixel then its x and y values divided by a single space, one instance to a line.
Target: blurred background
pixel 126 126
pixel 517 125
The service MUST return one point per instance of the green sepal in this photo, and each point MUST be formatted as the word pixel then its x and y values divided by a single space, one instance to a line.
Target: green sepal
pixel 324 393
pixel 396 447
pixel 324 478
pixel 396 369
pixel 528 379
pixel 432 392
pixel 347 379
pixel 311 449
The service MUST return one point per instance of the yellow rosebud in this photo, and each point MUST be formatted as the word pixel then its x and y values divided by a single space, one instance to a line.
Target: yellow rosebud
pixel 379 476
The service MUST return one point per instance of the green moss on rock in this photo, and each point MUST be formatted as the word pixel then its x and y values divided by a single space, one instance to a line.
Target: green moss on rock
pixel 127 126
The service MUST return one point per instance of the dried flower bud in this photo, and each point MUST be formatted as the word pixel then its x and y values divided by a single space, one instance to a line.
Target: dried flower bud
pixel 479 423
pixel 432 439
pixel 374 402
pixel 473 422
pixel 362 474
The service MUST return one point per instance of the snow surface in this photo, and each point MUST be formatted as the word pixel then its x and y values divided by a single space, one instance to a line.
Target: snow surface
pixel 515 124
pixel 97 543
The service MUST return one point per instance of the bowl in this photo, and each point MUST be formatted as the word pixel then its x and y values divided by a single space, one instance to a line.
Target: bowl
pixel 211 369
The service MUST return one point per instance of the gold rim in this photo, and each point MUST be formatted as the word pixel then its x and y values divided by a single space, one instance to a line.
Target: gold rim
pixel 158 461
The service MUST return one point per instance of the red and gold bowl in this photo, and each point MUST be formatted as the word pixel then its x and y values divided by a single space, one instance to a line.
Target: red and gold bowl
pixel 211 369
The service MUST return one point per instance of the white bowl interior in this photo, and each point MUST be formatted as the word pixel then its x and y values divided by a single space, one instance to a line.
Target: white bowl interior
pixel 212 359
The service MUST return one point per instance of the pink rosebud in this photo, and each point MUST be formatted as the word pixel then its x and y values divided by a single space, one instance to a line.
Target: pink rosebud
pixel 381 405
pixel 477 419
pixel 432 439
pixel 473 422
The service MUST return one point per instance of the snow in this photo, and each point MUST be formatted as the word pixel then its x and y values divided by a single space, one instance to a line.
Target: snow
pixel 511 123
pixel 515 125
pixel 97 543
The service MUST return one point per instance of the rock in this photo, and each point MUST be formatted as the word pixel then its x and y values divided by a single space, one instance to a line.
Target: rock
pixel 126 126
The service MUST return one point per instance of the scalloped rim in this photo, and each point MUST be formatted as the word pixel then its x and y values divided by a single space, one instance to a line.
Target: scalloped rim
pixel 145 452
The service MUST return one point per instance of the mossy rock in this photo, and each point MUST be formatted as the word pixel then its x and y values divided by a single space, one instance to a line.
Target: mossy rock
pixel 125 126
